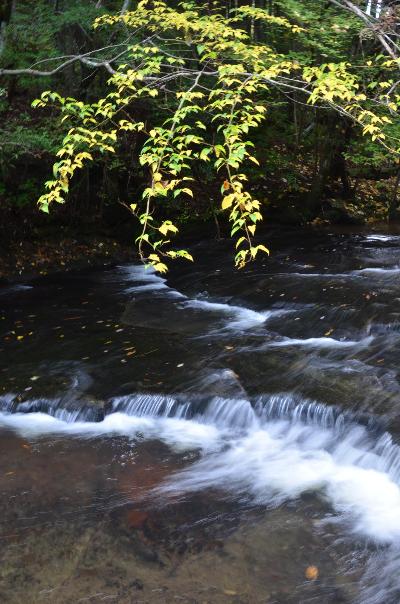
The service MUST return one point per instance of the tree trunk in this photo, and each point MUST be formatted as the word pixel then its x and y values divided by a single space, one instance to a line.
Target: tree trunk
pixel 335 137
pixel 125 7
pixel 6 10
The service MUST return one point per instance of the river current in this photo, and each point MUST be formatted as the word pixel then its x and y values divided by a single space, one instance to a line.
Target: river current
pixel 206 437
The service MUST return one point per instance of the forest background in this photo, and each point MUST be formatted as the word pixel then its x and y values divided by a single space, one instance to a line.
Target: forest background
pixel 153 119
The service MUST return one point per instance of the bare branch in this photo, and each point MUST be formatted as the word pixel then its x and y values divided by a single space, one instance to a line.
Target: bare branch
pixel 51 72
pixel 371 23
pixel 125 7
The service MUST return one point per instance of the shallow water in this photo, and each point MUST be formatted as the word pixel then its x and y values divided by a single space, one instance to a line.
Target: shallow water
pixel 208 437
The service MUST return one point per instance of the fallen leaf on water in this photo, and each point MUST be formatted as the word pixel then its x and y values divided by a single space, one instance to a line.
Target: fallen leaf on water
pixel 312 573
pixel 230 592
pixel 329 332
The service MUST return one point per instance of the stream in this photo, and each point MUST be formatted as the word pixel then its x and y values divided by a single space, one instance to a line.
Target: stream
pixel 213 436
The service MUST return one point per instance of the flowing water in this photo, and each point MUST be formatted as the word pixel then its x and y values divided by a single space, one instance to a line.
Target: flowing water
pixel 209 437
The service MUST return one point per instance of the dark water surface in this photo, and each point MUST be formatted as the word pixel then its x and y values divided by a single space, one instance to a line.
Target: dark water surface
pixel 207 438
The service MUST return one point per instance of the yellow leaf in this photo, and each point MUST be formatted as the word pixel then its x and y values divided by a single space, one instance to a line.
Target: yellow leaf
pixel 311 573
pixel 263 248
pixel 167 226
pixel 227 202
pixel 160 267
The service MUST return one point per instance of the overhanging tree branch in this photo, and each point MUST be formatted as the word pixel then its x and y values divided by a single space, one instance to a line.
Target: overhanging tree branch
pixel 52 72
pixel 86 59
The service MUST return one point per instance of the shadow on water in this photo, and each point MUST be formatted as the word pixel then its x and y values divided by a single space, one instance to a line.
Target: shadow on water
pixel 208 438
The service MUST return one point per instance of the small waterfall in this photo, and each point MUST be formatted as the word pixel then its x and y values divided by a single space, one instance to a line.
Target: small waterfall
pixel 87 413
pixel 8 402
pixel 388 455
pixel 232 413
pixel 247 447
pixel 218 411
pixel 150 405
pixel 229 413
pixel 299 410
pixel 358 439
pixel 70 412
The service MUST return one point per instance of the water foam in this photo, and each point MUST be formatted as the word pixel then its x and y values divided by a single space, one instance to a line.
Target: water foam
pixel 323 342
pixel 378 271
pixel 4 291
pixel 378 237
pixel 179 434
pixel 242 318
pixel 281 461
pixel 284 456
